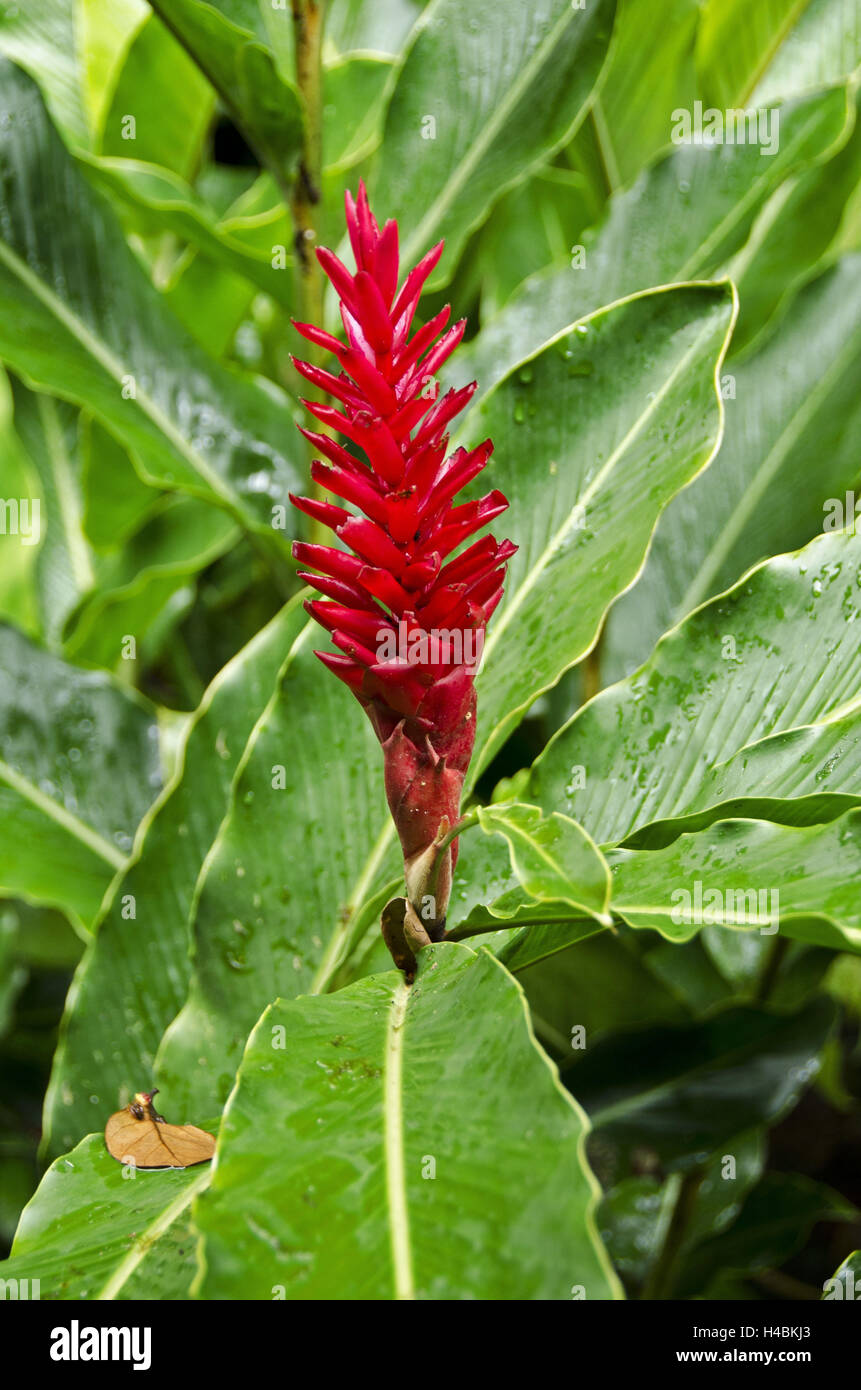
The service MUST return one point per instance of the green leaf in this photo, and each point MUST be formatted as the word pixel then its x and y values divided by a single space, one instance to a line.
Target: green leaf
pixel 648 749
pixel 643 84
pixel 380 28
pixel 278 908
pixel 136 584
pixel 786 452
pixel 799 232
pixel 245 50
pixel 593 437
pixel 504 85
pixel 79 765
pixel 171 103
pixel 48 431
pixel 353 91
pixel 95 1230
pixel 681 220
pixel 135 975
pixel 775 1221
pixel 553 858
pixel 79 318
pixel 387 1075
pixel 159 201
pixel 752 54
pixel 40 36
pixel 846 1279
pixel 749 875
pixel 682 1090
pixel 634 1215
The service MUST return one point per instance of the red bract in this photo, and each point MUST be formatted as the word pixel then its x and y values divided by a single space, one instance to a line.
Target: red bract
pixel 406 618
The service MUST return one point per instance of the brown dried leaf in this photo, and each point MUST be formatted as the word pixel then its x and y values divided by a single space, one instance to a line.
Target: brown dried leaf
pixel 141 1136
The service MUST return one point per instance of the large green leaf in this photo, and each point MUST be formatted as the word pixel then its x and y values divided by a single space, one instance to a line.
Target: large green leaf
pixel 424 1128
pixel 682 1090
pixel 79 765
pixel 643 84
pixel 753 54
pixel 750 875
pixel 787 450
pixel 482 98
pixel 681 219
pixel 774 1222
pixel 245 50
pixel 79 318
pixel 135 975
pixel 306 841
pixel 97 1229
pixel 171 102
pixel 40 35
pixel 736 672
pixel 593 436
pixel 799 232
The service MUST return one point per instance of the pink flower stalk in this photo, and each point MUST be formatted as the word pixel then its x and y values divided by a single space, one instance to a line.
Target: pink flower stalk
pixel 407 619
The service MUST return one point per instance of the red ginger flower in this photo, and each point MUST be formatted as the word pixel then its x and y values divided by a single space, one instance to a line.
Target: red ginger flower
pixel 408 621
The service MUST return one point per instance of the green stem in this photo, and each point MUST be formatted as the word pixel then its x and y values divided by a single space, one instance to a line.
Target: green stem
pixel 659 1284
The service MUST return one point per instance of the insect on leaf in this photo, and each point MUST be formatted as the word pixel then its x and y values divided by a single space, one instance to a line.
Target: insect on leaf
pixel 141 1136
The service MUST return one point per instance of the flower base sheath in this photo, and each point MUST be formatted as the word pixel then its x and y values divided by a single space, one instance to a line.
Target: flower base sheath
pixel 407 619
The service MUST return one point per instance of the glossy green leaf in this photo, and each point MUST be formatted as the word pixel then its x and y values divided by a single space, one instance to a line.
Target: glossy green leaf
pixel 341 1128
pixel 592 437
pixel 79 765
pixel 277 910
pixel 846 1281
pixel 798 234
pixel 134 586
pixel 40 36
pixel 159 201
pixel 774 1222
pixel 245 50
pixel 785 465
pixel 135 975
pixel 96 1229
pixel 685 1089
pixel 737 672
pixel 79 318
pixel 753 54
pixel 481 100
pixel 553 858
pixel 748 874
pixel 168 100
pixel 643 85
pixel 681 219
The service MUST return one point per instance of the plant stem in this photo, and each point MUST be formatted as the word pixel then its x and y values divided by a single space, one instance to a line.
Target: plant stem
pixel 659 1284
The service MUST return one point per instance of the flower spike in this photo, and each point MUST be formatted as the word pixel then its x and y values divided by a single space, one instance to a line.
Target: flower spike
pixel 405 607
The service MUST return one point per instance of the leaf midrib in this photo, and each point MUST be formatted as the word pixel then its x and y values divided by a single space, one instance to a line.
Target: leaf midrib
pixel 72 824
pixel 157 1228
pixel 393 1127
pixel 114 367
pixel 588 494
pixel 478 149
